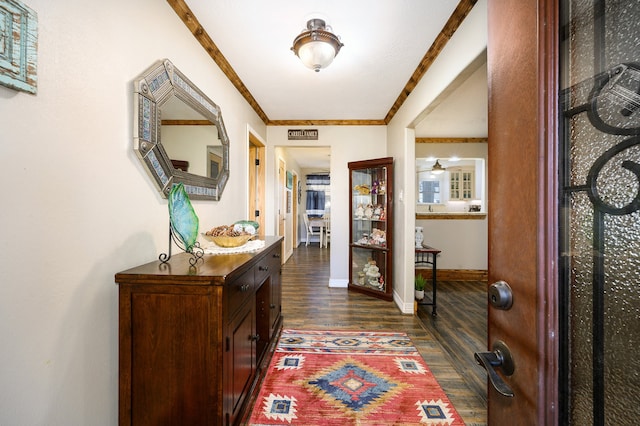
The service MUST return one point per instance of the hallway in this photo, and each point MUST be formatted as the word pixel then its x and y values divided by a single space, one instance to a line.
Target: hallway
pixel 446 342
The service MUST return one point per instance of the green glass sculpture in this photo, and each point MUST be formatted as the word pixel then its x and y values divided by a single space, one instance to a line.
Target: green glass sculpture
pixel 184 221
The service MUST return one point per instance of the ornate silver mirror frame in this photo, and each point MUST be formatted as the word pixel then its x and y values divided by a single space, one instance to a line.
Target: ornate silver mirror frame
pixel 154 88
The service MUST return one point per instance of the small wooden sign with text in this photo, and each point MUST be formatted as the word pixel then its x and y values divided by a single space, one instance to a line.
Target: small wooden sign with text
pixel 302 134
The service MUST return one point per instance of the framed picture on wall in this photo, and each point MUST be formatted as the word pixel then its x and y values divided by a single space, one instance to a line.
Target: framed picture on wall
pixel 214 161
pixel 18 46
pixel 289 180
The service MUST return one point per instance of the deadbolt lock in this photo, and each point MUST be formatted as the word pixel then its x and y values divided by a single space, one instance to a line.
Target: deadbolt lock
pixel 500 295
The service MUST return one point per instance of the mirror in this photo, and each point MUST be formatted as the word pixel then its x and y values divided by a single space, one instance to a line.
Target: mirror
pixel 179 134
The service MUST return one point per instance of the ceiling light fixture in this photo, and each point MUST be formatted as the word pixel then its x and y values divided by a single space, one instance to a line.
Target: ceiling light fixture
pixel 317 45
pixel 437 168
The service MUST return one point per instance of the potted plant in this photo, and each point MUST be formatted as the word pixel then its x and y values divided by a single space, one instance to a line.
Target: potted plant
pixel 419 284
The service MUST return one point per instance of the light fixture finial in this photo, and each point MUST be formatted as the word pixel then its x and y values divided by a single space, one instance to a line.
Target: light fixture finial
pixel 437 168
pixel 317 45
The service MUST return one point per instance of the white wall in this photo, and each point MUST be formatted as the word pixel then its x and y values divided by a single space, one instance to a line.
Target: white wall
pixel 348 143
pixel 465 47
pixel 462 113
pixel 78 205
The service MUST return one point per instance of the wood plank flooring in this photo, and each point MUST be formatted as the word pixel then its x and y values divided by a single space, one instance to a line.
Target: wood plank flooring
pixel 446 342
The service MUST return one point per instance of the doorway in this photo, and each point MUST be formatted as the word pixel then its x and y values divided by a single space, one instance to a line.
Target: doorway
pixel 256 168
pixel 301 162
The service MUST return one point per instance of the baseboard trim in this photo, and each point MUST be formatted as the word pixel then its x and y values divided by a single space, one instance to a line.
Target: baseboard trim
pixel 455 274
pixel 338 283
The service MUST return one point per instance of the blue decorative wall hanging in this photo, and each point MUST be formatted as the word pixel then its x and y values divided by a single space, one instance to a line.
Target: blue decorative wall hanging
pixel 18 46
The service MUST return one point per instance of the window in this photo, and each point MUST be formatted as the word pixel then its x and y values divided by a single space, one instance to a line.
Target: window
pixel 429 190
pixel 318 195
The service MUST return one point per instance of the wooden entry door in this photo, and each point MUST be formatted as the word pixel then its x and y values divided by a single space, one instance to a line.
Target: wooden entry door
pixel 521 213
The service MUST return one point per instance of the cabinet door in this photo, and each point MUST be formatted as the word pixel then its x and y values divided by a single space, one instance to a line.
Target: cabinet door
pixel 369 269
pixel 461 185
pixel 263 320
pixel 275 304
pixel 170 381
pixel 240 360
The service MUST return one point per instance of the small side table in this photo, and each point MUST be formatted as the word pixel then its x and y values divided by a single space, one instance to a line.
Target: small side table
pixel 428 256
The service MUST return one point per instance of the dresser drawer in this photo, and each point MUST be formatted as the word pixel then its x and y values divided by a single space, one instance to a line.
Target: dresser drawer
pixel 239 291
pixel 275 259
pixel 264 267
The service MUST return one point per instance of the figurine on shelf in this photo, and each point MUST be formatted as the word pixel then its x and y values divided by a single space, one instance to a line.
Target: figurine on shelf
pixel 362 189
pixel 382 187
pixel 364 240
pixel 374 187
pixel 359 211
pixel 377 211
pixel 383 214
pixel 368 211
pixel 381 283
pixel 378 237
pixel 373 273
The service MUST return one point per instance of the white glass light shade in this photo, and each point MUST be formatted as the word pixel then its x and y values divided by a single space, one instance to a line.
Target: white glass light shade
pixel 316 55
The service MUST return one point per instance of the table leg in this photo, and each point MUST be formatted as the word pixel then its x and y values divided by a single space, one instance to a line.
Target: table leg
pixel 434 284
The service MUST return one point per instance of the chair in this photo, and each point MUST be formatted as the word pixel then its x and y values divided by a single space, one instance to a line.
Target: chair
pixel 327 229
pixel 311 230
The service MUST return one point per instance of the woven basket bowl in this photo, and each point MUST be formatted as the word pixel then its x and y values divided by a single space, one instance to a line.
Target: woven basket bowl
pixel 229 242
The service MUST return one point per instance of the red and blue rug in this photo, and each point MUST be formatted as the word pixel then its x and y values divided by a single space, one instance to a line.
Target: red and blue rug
pixel 350 378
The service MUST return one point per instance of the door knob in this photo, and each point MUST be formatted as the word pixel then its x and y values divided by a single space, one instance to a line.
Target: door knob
pixel 499 358
pixel 500 295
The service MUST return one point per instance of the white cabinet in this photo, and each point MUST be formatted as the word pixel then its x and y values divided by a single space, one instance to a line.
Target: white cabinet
pixel 461 185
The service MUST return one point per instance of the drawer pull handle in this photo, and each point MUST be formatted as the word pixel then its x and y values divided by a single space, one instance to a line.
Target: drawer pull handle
pixel 254 337
pixel 276 255
pixel 263 268
pixel 245 287
pixel 272 306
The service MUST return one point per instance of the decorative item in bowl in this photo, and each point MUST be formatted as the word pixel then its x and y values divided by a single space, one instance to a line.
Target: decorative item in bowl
pixel 228 236
pixel 228 242
pixel 247 226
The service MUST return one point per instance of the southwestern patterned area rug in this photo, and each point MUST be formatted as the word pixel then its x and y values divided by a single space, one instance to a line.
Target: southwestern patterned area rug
pixel 350 378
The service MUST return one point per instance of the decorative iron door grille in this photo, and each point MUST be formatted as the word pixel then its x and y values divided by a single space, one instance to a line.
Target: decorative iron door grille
pixel 600 214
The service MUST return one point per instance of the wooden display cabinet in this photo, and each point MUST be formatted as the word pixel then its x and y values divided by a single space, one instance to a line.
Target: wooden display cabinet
pixel 371 227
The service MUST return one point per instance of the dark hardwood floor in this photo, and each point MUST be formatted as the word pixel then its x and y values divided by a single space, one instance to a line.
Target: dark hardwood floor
pixel 446 342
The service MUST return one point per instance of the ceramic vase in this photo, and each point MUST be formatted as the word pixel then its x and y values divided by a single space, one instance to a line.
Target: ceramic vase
pixel 419 237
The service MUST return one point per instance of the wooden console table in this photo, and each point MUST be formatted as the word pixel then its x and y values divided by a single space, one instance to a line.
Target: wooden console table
pixel 428 256
pixel 195 340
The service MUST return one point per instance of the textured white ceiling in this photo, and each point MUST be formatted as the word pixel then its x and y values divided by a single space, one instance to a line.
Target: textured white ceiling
pixel 384 41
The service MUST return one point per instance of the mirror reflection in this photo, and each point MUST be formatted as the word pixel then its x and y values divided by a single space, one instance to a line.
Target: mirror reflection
pixel 191 141
pixel 179 133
